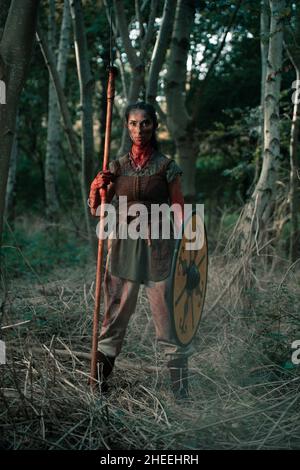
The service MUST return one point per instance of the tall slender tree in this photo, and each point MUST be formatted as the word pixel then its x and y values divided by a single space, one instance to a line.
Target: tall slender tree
pixel 178 119
pixel 292 44
pixel 15 53
pixel 264 46
pixel 181 122
pixel 86 85
pixel 53 149
pixel 160 49
pixel 257 216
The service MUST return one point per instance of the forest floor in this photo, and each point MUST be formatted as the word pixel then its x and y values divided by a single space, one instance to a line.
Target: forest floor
pixel 244 387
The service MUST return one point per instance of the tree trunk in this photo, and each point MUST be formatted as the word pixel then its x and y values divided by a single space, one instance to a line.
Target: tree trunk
pixel 178 120
pixel 86 84
pixel 293 49
pixel 54 126
pixel 63 105
pixel 294 196
pixel 256 219
pixel 264 41
pixel 160 49
pixel 68 128
pixel 15 52
pixel 11 181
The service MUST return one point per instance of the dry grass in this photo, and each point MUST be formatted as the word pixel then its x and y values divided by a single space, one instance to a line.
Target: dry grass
pixel 243 395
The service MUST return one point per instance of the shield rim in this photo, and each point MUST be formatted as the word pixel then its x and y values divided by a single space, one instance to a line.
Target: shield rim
pixel 172 279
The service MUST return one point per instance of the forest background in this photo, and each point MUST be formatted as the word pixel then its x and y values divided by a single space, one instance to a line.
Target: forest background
pixel 224 78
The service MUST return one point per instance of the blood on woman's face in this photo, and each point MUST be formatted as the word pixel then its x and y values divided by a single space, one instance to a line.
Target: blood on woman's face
pixel 140 127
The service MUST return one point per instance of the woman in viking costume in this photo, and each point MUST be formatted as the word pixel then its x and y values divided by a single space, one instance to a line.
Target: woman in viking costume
pixel 144 175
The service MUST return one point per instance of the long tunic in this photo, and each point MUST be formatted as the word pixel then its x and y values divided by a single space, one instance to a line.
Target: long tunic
pixel 142 260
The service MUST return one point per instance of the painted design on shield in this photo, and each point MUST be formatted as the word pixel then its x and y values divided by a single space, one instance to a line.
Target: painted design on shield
pixel 189 278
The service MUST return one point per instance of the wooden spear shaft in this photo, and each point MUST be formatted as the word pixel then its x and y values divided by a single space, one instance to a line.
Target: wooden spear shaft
pixel 103 192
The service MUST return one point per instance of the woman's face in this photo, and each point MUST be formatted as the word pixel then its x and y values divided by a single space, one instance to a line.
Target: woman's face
pixel 140 127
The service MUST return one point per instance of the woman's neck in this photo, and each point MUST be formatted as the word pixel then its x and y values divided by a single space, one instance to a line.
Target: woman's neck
pixel 141 154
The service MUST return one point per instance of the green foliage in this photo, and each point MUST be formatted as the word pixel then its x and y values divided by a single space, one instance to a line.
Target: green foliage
pixel 277 322
pixel 36 249
pixel 227 157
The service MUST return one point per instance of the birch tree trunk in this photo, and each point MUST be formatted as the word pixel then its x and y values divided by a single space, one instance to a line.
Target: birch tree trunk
pixel 68 127
pixel 178 120
pixel 63 105
pixel 264 47
pixel 256 218
pixel 15 52
pixel 53 149
pixel 294 196
pixel 293 49
pixel 86 85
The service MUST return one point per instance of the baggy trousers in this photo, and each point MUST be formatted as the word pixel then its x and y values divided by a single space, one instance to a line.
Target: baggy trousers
pixel 120 298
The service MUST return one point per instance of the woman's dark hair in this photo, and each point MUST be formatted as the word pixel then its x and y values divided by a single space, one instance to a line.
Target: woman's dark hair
pixel 150 110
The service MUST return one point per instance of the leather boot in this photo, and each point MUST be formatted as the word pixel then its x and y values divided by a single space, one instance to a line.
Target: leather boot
pixel 179 377
pixel 105 366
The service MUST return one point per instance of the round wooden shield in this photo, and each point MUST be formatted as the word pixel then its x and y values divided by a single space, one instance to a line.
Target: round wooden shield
pixel 188 279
